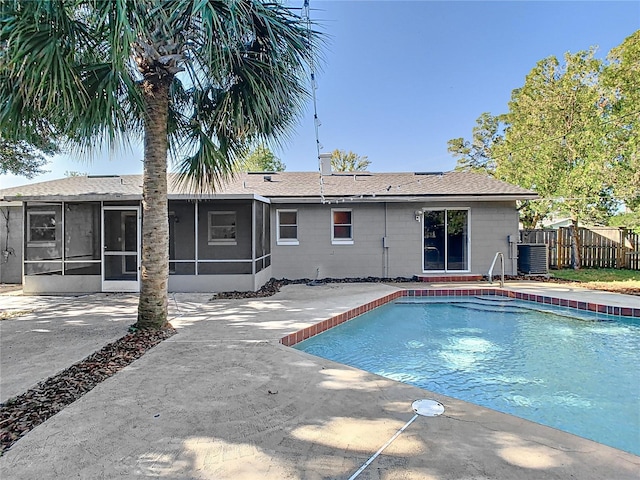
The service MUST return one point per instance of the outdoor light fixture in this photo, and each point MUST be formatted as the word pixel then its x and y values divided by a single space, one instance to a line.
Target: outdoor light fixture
pixel 418 214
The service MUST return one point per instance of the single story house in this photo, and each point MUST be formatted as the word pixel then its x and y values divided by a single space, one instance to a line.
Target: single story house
pixel 82 234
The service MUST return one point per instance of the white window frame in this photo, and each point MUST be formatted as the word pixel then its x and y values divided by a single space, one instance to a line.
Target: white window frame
pixel 286 241
pixel 210 228
pixel 41 243
pixel 340 240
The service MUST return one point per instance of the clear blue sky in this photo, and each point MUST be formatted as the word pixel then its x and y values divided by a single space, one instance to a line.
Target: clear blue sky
pixel 401 78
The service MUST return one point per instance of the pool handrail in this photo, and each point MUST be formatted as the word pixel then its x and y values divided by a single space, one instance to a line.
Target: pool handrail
pixel 493 264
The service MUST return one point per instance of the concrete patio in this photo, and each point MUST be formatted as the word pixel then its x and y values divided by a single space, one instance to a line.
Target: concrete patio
pixel 223 399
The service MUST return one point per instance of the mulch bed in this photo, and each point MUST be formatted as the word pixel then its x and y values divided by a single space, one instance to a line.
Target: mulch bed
pixel 273 286
pixel 20 414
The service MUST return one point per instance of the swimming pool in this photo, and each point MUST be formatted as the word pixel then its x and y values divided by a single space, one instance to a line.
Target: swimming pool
pixel 573 370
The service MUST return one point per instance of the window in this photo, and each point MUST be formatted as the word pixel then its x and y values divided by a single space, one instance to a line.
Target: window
pixel 287 227
pixel 43 235
pixel 341 227
pixel 41 227
pixel 222 228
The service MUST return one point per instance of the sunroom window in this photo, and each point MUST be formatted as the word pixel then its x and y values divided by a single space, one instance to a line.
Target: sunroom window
pixel 41 227
pixel 222 228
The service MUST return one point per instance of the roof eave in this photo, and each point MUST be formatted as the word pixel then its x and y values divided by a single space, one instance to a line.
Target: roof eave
pixel 409 198
pixel 117 197
pixel 219 196
pixel 92 197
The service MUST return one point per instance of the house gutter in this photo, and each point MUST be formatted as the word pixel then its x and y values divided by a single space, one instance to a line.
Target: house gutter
pixel 101 197
pixel 117 197
pixel 222 196
pixel 410 199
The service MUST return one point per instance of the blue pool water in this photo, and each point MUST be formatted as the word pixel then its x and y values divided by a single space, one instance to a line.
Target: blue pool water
pixel 567 369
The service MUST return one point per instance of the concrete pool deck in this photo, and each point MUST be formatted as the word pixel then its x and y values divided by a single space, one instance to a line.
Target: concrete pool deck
pixel 223 399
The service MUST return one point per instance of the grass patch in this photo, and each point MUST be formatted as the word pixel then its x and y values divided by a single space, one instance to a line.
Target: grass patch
pixel 597 275
pixel 612 280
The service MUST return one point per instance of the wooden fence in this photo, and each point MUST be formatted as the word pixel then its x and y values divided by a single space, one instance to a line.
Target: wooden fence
pixel 600 247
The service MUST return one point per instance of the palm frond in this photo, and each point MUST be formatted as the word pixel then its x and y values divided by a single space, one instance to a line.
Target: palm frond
pixel 72 64
pixel 245 85
pixel 208 168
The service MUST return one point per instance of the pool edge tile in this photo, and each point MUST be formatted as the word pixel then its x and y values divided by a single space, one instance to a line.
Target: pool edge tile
pixel 293 338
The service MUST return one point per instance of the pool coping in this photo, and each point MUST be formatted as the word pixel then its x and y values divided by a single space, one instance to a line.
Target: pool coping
pixel 308 332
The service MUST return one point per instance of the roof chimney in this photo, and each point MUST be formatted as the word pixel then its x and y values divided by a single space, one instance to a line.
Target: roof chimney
pixel 325 164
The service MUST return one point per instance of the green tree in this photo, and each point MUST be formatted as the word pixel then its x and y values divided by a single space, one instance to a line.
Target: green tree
pixel 342 161
pixel 621 104
pixel 572 133
pixel 630 220
pixel 262 159
pixel 198 81
pixel 22 158
pixel 552 142
pixel 476 155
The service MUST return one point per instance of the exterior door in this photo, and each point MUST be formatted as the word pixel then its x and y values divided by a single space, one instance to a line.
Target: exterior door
pixel 121 249
pixel 446 241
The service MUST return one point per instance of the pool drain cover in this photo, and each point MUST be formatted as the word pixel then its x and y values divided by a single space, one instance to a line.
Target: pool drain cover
pixel 428 408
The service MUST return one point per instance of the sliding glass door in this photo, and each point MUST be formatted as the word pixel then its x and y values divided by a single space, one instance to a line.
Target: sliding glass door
pixel 446 240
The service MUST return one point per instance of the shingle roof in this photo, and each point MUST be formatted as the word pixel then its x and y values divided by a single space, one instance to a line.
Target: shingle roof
pixel 287 185
pixel 126 185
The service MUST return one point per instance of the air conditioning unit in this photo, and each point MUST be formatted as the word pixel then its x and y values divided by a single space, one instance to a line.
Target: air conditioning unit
pixel 533 258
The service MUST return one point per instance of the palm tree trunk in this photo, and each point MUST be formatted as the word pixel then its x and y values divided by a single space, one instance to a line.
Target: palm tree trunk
pixel 152 307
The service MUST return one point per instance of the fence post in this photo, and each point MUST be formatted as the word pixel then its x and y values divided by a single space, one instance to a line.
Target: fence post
pixel 621 258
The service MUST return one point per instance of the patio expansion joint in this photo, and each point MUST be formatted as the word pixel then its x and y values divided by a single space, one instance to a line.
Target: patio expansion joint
pixel 487 426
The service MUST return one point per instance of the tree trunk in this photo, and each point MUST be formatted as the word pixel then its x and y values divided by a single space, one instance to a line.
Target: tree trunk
pixel 576 260
pixel 153 304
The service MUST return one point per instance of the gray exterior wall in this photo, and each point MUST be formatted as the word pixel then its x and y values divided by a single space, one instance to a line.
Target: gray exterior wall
pixel 219 283
pixel 58 284
pixel 11 265
pixel 315 251
pixel 490 225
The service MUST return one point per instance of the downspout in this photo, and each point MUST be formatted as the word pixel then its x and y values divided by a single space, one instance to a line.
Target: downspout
pixel 196 216
pixel 253 244
pixel 253 239
pixel 64 238
pixel 5 250
pixel 385 247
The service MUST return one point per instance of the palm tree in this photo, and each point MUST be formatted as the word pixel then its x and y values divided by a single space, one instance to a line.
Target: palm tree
pixel 198 81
